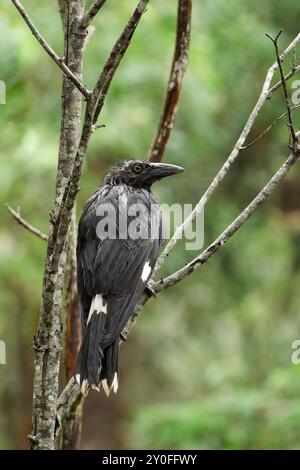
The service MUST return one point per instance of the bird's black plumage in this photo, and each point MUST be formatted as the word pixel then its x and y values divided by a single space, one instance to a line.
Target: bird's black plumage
pixel 113 268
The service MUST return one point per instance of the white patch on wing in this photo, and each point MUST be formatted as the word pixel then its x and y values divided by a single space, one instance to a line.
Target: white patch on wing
pixel 98 305
pixel 146 271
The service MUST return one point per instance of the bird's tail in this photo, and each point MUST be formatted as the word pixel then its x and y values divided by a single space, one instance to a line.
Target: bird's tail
pixel 96 364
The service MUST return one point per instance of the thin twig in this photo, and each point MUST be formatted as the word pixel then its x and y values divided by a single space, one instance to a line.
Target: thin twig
pixel 244 147
pixel 284 86
pixel 179 65
pixel 264 95
pixel 16 215
pixel 103 83
pixel 91 13
pixel 57 59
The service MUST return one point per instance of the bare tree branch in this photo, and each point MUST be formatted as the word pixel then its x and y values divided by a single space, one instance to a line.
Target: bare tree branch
pixel 179 65
pixel 57 59
pixel 230 160
pixel 91 13
pixel 47 342
pixel 103 83
pixel 16 215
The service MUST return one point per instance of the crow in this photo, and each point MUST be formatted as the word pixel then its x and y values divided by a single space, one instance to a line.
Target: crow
pixel 119 235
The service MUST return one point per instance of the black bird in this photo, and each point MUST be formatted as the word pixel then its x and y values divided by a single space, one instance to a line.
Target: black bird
pixel 119 235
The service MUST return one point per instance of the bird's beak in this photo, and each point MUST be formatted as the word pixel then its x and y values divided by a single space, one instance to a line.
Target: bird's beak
pixel 160 170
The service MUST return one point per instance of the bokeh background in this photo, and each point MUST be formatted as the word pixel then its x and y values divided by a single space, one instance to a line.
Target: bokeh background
pixel 208 364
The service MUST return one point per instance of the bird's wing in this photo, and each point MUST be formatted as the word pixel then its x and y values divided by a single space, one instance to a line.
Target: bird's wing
pixel 117 268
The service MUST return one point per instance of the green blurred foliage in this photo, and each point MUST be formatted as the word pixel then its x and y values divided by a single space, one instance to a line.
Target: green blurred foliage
pixel 213 368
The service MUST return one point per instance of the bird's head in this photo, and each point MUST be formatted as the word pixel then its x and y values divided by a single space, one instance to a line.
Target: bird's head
pixel 140 173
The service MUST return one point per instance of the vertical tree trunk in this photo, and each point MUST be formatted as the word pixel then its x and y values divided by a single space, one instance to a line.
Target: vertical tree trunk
pixel 47 343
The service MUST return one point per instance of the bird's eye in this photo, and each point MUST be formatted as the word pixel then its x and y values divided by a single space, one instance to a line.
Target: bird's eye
pixel 137 168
